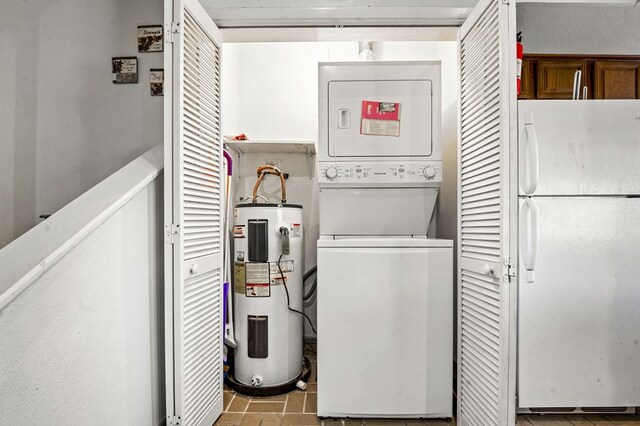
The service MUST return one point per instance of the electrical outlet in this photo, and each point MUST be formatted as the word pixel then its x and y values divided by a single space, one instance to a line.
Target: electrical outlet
pixel 274 163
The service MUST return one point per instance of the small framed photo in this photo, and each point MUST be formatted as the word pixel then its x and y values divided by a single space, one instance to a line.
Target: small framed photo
pixel 156 81
pixel 150 38
pixel 124 70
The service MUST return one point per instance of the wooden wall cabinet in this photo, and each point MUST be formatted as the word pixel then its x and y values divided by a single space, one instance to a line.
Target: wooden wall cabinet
pixel 605 76
pixel 555 78
pixel 527 85
pixel 617 80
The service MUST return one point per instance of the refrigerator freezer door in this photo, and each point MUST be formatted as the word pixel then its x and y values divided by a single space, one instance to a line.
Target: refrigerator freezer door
pixel 584 148
pixel 385 329
pixel 579 321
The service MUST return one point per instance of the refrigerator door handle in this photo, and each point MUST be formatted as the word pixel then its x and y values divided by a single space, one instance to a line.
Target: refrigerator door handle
pixel 529 237
pixel 529 161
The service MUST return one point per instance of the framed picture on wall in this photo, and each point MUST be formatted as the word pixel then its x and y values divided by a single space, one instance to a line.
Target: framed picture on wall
pixel 150 38
pixel 156 81
pixel 124 70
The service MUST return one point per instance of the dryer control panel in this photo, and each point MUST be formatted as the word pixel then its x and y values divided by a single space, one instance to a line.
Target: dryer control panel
pixel 380 173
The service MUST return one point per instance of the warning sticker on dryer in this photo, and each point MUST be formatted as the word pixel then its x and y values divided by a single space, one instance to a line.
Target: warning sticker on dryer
pixel 380 118
pixel 258 279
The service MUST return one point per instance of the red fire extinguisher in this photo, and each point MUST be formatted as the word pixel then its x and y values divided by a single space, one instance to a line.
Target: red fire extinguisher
pixel 519 53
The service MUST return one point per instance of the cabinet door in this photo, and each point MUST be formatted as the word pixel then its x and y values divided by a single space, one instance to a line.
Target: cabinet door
pixel 555 78
pixel 527 88
pixel 617 80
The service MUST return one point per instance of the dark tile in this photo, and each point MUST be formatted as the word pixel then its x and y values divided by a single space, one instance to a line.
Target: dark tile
pixel 251 419
pixel 547 420
pixel 265 407
pixel 238 404
pixel 311 403
pixel 579 420
pixel 300 420
pixel 295 402
pixel 226 399
pixel 598 420
pixel 282 398
pixel 271 420
pixel 229 419
pixel 621 419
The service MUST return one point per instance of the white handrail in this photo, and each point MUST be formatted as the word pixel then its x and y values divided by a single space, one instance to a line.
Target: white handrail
pixel 31 255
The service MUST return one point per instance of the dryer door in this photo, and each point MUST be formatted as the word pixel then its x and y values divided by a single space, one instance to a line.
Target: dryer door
pixel 385 118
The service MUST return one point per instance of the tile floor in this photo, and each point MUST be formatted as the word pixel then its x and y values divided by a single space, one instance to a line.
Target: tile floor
pixel 299 409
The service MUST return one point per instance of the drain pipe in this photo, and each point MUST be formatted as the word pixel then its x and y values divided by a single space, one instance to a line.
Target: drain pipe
pixel 365 50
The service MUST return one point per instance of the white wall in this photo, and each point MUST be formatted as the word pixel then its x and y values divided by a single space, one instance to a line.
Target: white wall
pixel 64 125
pixel 580 29
pixel 83 345
pixel 270 91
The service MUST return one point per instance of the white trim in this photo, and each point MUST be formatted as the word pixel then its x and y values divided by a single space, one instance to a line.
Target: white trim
pixel 255 13
pixel 474 16
pixel 29 257
pixel 274 35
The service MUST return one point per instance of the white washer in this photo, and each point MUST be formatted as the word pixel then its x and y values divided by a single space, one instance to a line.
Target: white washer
pixel 385 332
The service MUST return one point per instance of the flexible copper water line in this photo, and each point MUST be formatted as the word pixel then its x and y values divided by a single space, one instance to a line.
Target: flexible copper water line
pixel 270 170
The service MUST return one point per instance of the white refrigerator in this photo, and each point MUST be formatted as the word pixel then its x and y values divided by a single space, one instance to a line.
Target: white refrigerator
pixel 579 254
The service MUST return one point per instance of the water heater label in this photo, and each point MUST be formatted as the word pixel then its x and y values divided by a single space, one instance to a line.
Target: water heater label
pixel 239 231
pixel 380 118
pixel 296 230
pixel 238 277
pixel 285 265
pixel 258 279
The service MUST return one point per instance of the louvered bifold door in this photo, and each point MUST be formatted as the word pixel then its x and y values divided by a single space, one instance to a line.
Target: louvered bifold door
pixel 486 296
pixel 193 177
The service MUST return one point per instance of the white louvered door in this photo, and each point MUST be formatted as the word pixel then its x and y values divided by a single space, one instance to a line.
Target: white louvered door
pixel 486 292
pixel 193 215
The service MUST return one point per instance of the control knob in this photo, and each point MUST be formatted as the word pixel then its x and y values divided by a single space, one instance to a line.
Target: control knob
pixel 429 172
pixel 331 173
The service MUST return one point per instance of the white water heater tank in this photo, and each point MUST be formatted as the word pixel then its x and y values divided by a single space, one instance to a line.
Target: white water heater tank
pixel 268 245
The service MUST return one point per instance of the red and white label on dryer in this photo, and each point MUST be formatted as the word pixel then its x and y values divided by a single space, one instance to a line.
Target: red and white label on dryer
pixel 380 118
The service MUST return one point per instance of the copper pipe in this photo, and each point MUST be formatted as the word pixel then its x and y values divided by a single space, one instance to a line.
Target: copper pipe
pixel 271 170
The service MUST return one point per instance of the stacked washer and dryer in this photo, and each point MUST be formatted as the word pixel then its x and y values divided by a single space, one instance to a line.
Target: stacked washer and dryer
pixel 385 289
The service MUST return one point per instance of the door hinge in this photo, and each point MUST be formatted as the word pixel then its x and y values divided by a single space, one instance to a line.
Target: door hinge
pixel 170 30
pixel 510 271
pixel 171 233
pixel 505 1
pixel 173 421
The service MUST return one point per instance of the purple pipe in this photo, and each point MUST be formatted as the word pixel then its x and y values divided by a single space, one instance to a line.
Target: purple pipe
pixel 229 162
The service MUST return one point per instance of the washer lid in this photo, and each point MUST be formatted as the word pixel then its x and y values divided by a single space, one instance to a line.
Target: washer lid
pixel 383 242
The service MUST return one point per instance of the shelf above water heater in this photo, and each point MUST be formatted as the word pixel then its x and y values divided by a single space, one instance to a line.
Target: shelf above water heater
pixel 271 146
pixel 306 148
